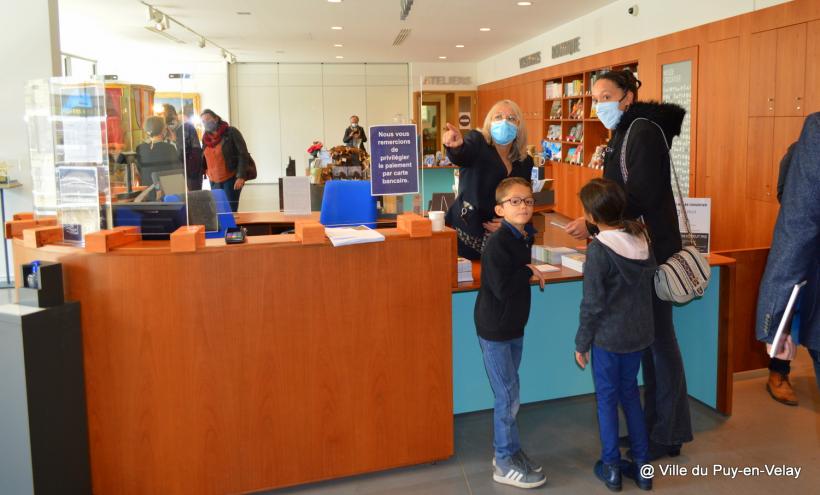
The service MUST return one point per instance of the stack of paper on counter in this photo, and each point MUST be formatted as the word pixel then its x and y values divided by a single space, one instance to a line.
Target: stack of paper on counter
pixel 465 270
pixel 345 236
pixel 574 261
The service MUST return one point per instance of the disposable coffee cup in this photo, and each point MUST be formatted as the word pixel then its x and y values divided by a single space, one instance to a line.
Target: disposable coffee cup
pixel 437 218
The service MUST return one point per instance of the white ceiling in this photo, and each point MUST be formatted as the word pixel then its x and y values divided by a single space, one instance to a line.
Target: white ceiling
pixel 300 30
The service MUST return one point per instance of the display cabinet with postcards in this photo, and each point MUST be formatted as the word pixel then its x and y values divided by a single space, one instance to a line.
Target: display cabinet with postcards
pixel 68 144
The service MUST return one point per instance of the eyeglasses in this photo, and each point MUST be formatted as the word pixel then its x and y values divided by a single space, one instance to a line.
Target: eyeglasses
pixel 510 118
pixel 518 201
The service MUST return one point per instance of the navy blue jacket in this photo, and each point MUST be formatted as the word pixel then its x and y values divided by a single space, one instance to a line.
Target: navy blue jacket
pixel 502 306
pixel 795 252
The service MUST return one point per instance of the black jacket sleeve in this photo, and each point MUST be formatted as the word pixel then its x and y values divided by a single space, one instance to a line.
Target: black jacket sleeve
pixel 647 160
pixel 465 155
pixel 243 157
pixel 593 303
pixel 498 272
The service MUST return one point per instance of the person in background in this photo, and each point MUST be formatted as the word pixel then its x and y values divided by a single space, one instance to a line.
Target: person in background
pixel 616 325
pixel 226 156
pixel 354 134
pixel 649 196
pixel 485 157
pixel 795 253
pixel 156 155
pixel 184 135
pixel 502 309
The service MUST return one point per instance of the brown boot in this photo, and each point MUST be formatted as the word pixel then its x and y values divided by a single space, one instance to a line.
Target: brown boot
pixel 780 389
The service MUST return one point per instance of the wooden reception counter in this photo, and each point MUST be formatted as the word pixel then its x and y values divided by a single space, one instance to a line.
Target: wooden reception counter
pixel 228 369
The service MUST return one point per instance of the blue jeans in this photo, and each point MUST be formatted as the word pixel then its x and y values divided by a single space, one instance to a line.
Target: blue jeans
pixel 501 360
pixel 230 193
pixel 616 380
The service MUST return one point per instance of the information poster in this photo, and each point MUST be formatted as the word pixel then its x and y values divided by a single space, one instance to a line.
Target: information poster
pixel 677 88
pixel 394 160
pixel 699 211
pixel 296 195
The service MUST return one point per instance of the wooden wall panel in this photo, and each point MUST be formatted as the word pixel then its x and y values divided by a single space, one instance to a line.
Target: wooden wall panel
pixel 790 70
pixel 207 374
pixel 812 68
pixel 762 76
pixel 721 160
pixel 759 158
pixel 747 351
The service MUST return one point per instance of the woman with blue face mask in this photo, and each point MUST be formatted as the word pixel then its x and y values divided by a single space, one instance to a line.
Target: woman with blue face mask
pixel 649 197
pixel 485 157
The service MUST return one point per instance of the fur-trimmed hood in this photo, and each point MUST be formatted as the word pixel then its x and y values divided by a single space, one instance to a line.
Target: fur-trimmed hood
pixel 667 115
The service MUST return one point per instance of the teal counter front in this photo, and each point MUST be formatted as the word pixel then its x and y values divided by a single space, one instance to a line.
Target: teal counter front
pixel 548 369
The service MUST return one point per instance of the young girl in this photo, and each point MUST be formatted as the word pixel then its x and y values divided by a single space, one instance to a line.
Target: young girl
pixel 616 323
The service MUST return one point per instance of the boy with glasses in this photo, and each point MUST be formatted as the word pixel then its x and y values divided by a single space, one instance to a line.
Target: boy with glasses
pixel 502 309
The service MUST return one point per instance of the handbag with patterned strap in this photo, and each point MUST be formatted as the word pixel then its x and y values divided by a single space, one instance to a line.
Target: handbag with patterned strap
pixel 685 275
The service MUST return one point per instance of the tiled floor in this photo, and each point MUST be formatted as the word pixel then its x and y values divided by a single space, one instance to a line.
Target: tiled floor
pixel 562 434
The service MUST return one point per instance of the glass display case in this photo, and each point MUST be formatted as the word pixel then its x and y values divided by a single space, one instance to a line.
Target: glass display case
pixel 67 127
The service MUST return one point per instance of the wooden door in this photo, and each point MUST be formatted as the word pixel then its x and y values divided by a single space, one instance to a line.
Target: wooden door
pixel 761 74
pixel 812 86
pixel 759 158
pixel 790 71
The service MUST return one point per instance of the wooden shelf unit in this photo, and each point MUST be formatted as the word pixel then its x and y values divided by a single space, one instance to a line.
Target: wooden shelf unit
pixel 570 177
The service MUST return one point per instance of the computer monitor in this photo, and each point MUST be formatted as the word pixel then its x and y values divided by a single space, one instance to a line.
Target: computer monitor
pixel 157 221
pixel 171 182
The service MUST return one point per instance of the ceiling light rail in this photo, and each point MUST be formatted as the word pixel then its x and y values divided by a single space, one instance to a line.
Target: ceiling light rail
pixel 160 23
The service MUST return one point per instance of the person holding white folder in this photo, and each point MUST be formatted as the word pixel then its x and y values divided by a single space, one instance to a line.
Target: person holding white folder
pixel 795 253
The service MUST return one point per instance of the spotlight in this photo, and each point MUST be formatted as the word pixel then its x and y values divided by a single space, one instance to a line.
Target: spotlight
pixel 201 43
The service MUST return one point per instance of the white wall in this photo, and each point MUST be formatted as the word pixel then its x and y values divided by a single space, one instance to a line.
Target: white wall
pixel 612 27
pixel 29 48
pixel 282 108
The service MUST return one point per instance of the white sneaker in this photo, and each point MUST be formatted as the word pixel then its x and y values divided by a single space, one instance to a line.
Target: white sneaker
pixel 517 475
pixel 529 463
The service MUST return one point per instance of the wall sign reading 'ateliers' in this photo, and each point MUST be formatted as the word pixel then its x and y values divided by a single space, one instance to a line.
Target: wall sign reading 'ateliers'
pixel 447 81
pixel 394 160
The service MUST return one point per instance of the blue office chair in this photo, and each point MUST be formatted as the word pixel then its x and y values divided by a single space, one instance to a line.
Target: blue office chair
pixel 223 213
pixel 348 202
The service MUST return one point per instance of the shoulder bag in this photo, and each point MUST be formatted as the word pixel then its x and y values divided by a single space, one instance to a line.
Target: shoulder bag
pixel 685 275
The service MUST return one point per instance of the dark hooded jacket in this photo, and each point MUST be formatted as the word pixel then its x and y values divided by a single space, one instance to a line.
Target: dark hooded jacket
pixel 616 310
pixel 649 187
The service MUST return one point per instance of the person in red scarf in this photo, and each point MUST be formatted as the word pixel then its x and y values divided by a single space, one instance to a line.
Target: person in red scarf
pixel 226 156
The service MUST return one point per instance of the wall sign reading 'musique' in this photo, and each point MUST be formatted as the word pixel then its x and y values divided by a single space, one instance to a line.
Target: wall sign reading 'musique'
pixel 566 48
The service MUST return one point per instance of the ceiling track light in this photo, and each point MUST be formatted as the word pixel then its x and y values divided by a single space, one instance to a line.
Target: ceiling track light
pixel 160 22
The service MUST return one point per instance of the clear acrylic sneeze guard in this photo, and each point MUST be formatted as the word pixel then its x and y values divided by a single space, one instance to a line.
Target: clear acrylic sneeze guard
pixel 66 121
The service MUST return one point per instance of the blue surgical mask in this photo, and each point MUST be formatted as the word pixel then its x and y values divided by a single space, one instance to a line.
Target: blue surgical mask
pixel 608 113
pixel 503 132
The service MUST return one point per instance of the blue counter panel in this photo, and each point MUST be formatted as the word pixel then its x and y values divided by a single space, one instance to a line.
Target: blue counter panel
pixel 548 369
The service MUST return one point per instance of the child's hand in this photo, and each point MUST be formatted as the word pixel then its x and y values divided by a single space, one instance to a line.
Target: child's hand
pixel 582 359
pixel 536 273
